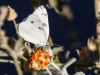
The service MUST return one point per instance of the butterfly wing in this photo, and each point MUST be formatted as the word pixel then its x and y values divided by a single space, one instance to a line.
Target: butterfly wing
pixel 32 29
pixel 29 32
pixel 33 19
pixel 41 13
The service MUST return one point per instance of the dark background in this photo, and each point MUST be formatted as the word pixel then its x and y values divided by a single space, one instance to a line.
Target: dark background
pixel 83 26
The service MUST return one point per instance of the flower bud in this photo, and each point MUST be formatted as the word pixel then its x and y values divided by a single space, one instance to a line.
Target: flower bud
pixel 92 44
pixel 12 14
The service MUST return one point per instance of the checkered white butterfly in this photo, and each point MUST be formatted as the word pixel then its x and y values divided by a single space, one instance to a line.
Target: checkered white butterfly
pixel 35 28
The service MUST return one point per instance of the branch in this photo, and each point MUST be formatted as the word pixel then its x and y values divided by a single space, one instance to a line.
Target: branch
pixel 7 61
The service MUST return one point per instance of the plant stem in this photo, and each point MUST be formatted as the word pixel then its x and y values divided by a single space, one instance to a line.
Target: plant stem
pixel 15 24
pixel 16 27
pixel 12 53
pixel 7 61
pixel 48 71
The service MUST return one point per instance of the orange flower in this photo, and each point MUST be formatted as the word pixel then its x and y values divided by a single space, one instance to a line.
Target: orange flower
pixel 41 51
pixel 45 64
pixel 33 57
pixel 37 60
pixel 41 67
pixel 35 68
pixel 36 56
pixel 40 62
pixel 47 61
pixel 45 57
pixel 39 55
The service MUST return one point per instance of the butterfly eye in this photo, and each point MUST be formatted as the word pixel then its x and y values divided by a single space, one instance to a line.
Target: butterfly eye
pixel 32 22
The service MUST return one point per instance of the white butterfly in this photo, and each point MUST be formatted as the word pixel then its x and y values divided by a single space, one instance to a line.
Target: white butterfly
pixel 35 28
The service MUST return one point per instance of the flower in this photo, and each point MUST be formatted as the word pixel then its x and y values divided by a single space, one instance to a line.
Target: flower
pixel 12 14
pixel 83 53
pixel 41 58
pixel 92 44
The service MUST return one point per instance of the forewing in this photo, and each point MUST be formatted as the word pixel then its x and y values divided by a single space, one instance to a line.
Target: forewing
pixel 35 27
pixel 34 20
pixel 41 13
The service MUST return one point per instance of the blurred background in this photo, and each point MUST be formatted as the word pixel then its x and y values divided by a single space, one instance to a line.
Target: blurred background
pixel 71 22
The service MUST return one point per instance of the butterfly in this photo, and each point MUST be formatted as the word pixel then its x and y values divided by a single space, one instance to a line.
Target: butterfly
pixel 35 28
